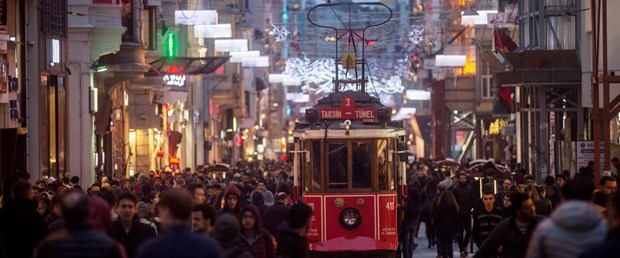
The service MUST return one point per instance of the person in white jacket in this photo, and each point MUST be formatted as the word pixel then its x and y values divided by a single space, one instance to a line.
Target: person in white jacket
pixel 575 226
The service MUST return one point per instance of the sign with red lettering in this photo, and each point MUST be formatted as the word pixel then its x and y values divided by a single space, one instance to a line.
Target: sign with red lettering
pixel 347 110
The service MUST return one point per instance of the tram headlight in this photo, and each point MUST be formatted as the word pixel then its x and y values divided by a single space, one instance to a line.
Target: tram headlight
pixel 350 218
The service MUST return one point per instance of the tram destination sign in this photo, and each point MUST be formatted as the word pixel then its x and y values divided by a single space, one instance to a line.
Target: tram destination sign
pixel 347 110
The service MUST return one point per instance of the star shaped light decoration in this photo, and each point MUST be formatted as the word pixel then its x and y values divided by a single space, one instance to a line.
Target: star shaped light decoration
pixel 280 32
pixel 416 35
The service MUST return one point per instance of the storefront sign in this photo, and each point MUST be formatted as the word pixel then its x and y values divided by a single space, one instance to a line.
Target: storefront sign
pixel 174 76
pixel 347 110
pixel 177 80
pixel 174 160
pixel 585 153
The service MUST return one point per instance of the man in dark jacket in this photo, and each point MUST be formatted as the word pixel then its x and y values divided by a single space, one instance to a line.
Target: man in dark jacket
pixel 127 229
pixel 175 207
pixel 609 248
pixel 410 219
pixel 512 234
pixel 276 214
pixel 465 196
pixel 21 227
pixel 292 242
pixel 258 200
pixel 231 201
pixel 486 218
pixel 78 239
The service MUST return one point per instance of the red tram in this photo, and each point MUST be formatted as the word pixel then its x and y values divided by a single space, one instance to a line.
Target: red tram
pixel 349 157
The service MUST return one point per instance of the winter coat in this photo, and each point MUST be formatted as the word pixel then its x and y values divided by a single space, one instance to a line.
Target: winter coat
pixel 606 249
pixel 507 235
pixel 79 242
pixel 484 223
pixel 262 246
pixel 445 218
pixel 412 211
pixel 572 228
pixel 274 216
pixel 465 196
pixel 138 234
pixel 258 200
pixel 226 231
pixel 21 228
pixel 290 243
pixel 179 241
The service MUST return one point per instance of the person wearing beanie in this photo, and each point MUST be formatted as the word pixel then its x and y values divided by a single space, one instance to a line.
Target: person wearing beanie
pixel 258 200
pixel 231 201
pixel 144 213
pixel 269 199
pixel 226 232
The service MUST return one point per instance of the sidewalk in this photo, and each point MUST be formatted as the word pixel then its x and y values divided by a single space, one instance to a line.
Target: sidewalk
pixel 424 252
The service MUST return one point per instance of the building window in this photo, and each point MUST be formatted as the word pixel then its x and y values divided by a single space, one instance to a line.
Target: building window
pixel 150 28
pixel 53 17
pixel 487 86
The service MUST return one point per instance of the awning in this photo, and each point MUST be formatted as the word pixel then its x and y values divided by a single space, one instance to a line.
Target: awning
pixel 541 68
pixel 190 65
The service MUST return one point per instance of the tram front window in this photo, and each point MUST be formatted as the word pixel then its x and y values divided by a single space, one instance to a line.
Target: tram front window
pixel 361 164
pixel 338 166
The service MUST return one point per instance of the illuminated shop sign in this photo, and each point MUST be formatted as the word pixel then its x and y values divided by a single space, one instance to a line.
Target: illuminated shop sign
pixel 174 76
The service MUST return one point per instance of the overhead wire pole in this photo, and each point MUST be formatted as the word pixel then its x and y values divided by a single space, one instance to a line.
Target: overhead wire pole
pixel 595 94
pixel 606 115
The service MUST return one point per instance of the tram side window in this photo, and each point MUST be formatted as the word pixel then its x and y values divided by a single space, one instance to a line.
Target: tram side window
pixel 361 164
pixel 316 165
pixel 383 167
pixel 338 166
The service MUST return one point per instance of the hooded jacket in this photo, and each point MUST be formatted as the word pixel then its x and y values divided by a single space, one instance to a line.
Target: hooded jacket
pixel 573 228
pixel 231 189
pixel 226 232
pixel 258 200
pixel 262 245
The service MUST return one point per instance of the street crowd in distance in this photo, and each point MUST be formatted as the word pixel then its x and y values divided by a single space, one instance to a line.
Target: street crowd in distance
pixel 246 212
pixel 562 217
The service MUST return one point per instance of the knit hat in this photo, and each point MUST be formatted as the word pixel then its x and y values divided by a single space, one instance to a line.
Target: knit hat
pixel 258 198
pixel 226 228
pixel 232 189
pixel 269 200
pixel 143 209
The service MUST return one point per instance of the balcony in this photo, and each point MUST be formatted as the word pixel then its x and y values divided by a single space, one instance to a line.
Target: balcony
pixel 97 21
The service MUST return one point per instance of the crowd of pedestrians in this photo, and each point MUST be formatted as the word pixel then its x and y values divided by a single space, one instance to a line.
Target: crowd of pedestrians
pixel 510 215
pixel 246 211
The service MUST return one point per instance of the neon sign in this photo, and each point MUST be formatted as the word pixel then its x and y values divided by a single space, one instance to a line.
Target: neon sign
pixel 177 80
pixel 175 77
